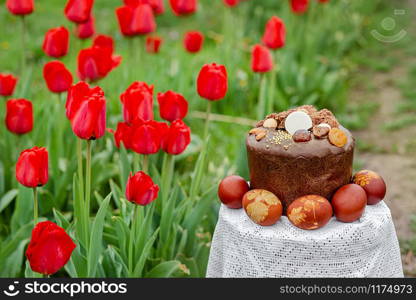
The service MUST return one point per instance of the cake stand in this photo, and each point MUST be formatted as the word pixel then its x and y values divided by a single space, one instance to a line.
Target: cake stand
pixel 365 248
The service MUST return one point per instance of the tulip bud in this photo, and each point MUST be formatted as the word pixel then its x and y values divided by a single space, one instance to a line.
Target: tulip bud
pixel 76 94
pixel 274 33
pixel 32 167
pixel 50 248
pixel 299 6
pixel 85 30
pixel 140 189
pixel 123 134
pixel 212 82
pixel 137 102
pixel 153 44
pixel 19 116
pixel 78 11
pixel 57 77
pixel 147 136
pixel 231 3
pixel 135 20
pixel 183 7
pixel 104 41
pixel 89 120
pixel 95 63
pixel 172 106
pixel 7 84
pixel 261 59
pixel 177 138
pixel 157 5
pixel 193 41
pixel 56 42
pixel 20 7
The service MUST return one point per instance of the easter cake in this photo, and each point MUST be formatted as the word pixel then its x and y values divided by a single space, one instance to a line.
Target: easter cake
pixel 299 152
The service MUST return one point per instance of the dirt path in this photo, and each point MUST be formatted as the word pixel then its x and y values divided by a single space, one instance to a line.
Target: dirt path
pixel 393 159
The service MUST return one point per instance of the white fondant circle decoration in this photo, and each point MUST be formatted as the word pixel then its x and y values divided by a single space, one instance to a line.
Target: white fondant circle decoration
pixel 324 125
pixel 297 120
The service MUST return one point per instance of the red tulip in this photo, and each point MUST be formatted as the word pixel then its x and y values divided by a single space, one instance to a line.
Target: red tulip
pixel 177 138
pixel 104 41
pixel 20 7
pixel 212 82
pixel 78 11
pixel 96 62
pixel 299 6
pixel 193 41
pixel 85 30
pixel 19 116
pixel 183 7
pixel 123 134
pixel 56 42
pixel 157 5
pixel 77 94
pixel 153 44
pixel 32 167
pixel 89 120
pixel 137 102
pixel 147 136
pixel 57 77
pixel 274 33
pixel 231 3
pixel 7 84
pixel 140 189
pixel 261 59
pixel 172 106
pixel 135 20
pixel 50 248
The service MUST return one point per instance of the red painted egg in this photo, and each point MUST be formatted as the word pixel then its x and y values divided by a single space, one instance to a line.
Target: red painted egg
pixel 373 184
pixel 231 191
pixel 310 212
pixel 349 203
pixel 262 207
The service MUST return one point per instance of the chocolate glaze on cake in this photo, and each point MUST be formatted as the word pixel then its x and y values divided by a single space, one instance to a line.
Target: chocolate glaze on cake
pixel 292 169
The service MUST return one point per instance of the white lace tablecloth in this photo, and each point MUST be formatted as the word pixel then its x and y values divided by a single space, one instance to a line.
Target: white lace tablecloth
pixel 365 248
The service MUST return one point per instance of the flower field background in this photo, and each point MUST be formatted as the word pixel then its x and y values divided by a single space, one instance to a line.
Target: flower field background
pixel 171 236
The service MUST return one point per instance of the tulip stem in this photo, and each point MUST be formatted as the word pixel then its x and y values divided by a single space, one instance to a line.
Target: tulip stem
pixel 261 105
pixel 207 119
pixel 136 162
pixel 167 172
pixel 145 163
pixel 35 206
pixel 23 36
pixel 88 180
pixel 132 240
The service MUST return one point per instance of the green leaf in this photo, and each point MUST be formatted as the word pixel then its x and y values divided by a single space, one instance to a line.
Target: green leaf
pixel 10 245
pixel 138 269
pixel 124 166
pixel 113 264
pixel 7 199
pixel 60 219
pixel 96 239
pixel 172 268
pixel 198 172
pixel 23 210
pixel 78 212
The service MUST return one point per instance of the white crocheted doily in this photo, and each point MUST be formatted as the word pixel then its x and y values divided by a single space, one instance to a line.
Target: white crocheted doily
pixel 365 248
